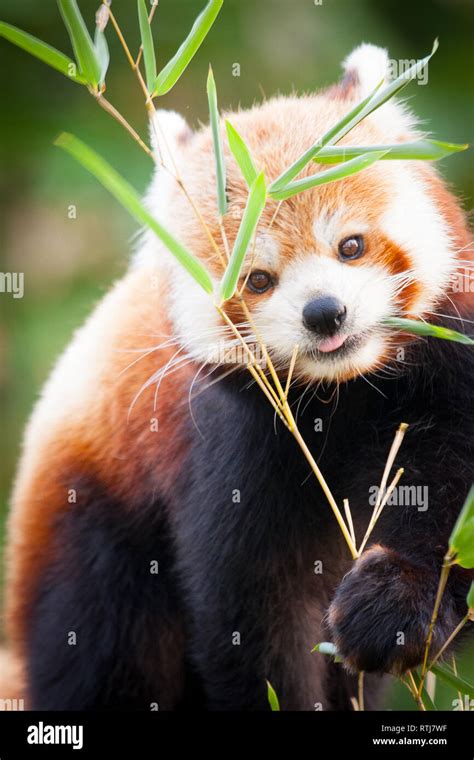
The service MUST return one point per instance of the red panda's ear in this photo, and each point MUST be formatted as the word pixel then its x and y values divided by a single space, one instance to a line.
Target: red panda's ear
pixel 364 68
pixel 169 134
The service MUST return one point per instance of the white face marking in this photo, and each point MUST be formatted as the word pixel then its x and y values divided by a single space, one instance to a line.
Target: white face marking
pixel 365 290
pixel 414 223
pixel 329 228
pixel 196 320
pixel 266 255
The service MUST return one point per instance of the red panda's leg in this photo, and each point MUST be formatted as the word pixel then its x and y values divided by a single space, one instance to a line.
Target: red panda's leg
pixel 105 629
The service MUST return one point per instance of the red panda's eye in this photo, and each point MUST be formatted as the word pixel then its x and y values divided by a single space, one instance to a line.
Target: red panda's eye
pixel 259 282
pixel 351 247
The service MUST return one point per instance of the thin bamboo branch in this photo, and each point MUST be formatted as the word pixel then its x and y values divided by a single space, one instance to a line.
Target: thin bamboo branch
pixel 448 641
pixel 397 442
pixel 348 514
pixel 107 106
pixel 446 567
pixel 309 457
pixel 376 515
pixel 416 695
pixel 252 360
pixel 360 690
pixel 455 671
pixel 291 370
pixel 155 124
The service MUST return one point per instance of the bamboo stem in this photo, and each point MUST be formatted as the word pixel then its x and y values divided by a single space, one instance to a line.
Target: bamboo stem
pixel 152 113
pixel 376 515
pixel 446 567
pixel 348 514
pixel 309 457
pixel 252 360
pixel 381 495
pixel 360 690
pixel 107 106
pixel 290 371
pixel 397 442
pixel 416 695
pixel 448 641
pixel 455 671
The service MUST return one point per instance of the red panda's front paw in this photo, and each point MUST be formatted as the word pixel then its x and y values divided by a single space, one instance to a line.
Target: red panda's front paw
pixel 380 614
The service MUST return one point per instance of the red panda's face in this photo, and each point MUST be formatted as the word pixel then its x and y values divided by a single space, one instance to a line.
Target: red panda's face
pixel 329 264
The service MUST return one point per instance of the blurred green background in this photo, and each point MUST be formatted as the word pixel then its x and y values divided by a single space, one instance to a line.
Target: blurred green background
pixel 280 45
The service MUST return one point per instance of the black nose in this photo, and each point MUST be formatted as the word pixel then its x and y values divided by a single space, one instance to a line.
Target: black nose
pixel 324 315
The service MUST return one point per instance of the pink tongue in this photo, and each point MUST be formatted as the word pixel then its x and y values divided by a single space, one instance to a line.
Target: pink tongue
pixel 330 344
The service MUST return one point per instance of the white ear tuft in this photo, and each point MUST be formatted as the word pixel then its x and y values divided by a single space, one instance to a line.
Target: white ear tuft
pixel 368 64
pixel 169 133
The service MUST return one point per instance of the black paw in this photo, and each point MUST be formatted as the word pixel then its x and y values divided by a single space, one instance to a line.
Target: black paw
pixel 380 615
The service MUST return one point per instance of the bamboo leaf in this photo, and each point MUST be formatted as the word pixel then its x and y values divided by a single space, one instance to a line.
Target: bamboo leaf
pixel 422 150
pixel 147 45
pixel 170 74
pixel 325 647
pixel 461 541
pixel 367 106
pixel 272 698
pixel 42 51
pixel 253 211
pixel 217 142
pixel 425 329
pixel 448 676
pixel 86 56
pixel 130 200
pixel 241 154
pixel 309 154
pixel 330 175
pixel 470 597
pixel 102 53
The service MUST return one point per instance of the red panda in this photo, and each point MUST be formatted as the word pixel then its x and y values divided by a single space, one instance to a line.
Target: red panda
pixel 164 533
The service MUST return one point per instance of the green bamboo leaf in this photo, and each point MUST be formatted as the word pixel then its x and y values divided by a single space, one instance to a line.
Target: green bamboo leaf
pixel 325 647
pixel 147 45
pixel 461 541
pixel 102 53
pixel 376 99
pixel 425 329
pixel 272 698
pixel 309 154
pixel 470 597
pixel 421 150
pixel 448 676
pixel 130 200
pixel 217 142
pixel 330 175
pixel 86 56
pixel 253 211
pixel 170 74
pixel 241 154
pixel 42 51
